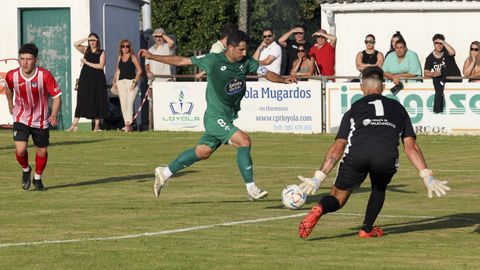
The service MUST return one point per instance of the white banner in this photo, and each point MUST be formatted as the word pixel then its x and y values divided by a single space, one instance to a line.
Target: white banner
pixel 461 114
pixel 267 107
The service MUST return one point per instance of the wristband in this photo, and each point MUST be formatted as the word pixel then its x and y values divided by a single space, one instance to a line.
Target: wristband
pixel 320 175
pixel 425 172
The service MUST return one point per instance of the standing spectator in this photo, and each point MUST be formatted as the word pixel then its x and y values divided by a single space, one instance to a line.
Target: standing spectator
pixel 471 67
pixel 291 45
pixel 403 63
pixel 439 64
pixel 221 45
pixel 303 65
pixel 370 56
pixel 164 45
pixel 396 37
pixel 269 53
pixel 323 52
pixel 127 74
pixel 29 85
pixel 367 144
pixel 92 84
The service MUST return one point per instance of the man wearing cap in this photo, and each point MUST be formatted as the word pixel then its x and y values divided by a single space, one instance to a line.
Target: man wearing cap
pixel 324 52
pixel 367 144
pixel 164 45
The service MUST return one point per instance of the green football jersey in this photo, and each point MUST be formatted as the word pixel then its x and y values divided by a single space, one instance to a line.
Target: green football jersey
pixel 226 83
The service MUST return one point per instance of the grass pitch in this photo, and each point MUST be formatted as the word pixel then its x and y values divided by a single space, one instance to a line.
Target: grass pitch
pixel 99 211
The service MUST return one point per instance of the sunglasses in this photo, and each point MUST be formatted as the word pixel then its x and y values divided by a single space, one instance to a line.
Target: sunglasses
pixel 370 41
pixel 125 46
pixel 474 49
pixel 300 50
pixel 267 36
pixel 299 33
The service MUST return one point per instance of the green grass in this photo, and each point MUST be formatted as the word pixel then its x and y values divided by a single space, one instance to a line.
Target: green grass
pixel 100 185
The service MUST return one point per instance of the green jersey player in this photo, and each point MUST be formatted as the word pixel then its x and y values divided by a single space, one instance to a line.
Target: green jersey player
pixel 226 85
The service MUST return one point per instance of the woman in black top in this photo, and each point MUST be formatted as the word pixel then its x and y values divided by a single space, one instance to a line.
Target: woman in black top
pixel 369 57
pixel 127 74
pixel 92 84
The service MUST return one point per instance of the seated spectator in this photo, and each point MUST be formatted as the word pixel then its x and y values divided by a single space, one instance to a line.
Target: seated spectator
pixel 471 67
pixel 127 74
pixel 323 51
pixel 404 63
pixel 441 61
pixel 291 45
pixel 369 57
pixel 269 53
pixel 396 37
pixel 303 65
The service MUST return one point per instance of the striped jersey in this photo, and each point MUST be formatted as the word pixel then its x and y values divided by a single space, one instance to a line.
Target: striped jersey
pixel 30 105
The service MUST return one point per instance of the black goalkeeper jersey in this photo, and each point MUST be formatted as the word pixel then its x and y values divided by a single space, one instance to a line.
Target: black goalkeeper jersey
pixel 373 127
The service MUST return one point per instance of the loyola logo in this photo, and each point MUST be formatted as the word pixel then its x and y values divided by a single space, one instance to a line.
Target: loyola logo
pixel 180 107
pixel 415 104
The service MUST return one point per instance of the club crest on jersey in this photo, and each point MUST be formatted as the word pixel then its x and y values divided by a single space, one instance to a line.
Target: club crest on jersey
pixel 34 84
pixel 235 86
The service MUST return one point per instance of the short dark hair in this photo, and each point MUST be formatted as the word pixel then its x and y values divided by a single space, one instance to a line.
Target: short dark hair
pixel 401 41
pixel 373 73
pixel 267 29
pixel 236 37
pixel 299 26
pixel 29 48
pixel 438 36
pixel 370 35
pixel 227 29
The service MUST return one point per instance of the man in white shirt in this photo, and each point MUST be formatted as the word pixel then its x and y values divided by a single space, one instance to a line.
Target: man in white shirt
pixel 164 45
pixel 269 53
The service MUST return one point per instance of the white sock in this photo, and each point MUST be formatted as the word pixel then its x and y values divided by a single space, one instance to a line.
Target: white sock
pixel 26 169
pixel 167 173
pixel 250 185
pixel 38 176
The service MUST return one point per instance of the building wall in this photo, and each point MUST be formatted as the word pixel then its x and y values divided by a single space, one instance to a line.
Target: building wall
pixel 418 28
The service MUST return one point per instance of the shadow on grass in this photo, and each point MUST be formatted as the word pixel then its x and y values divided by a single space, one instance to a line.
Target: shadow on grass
pixel 12 147
pixel 140 177
pixel 428 224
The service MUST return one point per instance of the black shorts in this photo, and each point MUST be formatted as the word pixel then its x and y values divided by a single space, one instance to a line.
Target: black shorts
pixel 40 137
pixel 352 171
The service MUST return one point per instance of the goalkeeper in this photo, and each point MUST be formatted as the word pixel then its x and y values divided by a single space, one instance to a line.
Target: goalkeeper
pixel 367 143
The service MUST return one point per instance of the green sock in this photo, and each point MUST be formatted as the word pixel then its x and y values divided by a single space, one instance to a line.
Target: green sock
pixel 184 160
pixel 245 164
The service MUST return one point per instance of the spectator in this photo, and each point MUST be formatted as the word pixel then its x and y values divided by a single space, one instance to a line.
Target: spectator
pixel 439 64
pixel 471 67
pixel 221 45
pixel 164 45
pixel 291 45
pixel 369 57
pixel 323 52
pixel 92 84
pixel 303 65
pixel 127 74
pixel 396 37
pixel 269 53
pixel 403 63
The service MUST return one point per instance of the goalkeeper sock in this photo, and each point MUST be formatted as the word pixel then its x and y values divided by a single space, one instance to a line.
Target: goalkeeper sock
pixel 374 206
pixel 329 203
pixel 245 164
pixel 184 160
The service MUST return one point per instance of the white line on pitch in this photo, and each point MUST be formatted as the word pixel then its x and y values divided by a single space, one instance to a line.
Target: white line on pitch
pixel 195 228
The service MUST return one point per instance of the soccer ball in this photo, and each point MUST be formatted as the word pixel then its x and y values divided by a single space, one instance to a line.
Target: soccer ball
pixel 293 197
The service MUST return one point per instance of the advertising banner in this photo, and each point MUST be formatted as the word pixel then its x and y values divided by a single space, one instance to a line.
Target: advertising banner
pixel 268 107
pixel 461 113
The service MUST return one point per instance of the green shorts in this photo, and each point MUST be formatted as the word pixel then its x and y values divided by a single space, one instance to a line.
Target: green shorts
pixel 218 131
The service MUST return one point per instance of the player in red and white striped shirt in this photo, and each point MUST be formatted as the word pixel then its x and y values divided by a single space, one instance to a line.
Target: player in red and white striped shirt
pixel 27 98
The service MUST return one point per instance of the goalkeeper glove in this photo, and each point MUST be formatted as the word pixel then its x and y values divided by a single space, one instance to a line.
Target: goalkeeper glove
pixel 311 185
pixel 433 185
